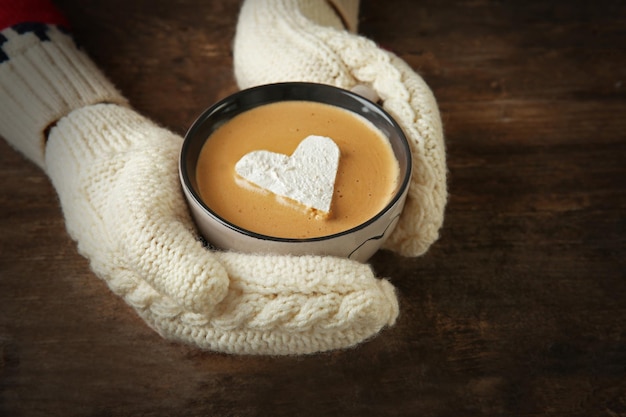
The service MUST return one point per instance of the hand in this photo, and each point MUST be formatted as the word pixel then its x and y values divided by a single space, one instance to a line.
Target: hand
pixel 306 41
pixel 116 175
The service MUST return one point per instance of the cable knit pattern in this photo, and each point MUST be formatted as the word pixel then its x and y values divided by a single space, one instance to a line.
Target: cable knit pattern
pixel 116 176
pixel 282 40
pixel 277 305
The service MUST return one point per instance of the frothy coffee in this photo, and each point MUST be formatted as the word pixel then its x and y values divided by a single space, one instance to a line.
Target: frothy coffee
pixel 367 177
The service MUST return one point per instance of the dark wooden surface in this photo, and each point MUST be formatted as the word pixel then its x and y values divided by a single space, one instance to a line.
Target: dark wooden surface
pixel 518 310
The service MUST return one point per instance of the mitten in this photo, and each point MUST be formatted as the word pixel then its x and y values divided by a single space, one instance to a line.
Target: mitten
pixel 116 175
pixel 301 40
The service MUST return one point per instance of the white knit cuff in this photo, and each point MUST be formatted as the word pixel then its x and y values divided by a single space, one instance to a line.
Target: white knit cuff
pixel 43 77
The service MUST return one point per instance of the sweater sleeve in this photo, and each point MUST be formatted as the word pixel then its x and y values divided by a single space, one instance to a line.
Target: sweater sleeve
pixel 43 75
pixel 14 12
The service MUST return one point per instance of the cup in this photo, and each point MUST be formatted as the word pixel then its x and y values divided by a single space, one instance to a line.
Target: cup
pixel 357 243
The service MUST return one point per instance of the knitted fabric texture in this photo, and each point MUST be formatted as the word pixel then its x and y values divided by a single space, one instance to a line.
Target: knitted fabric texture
pixel 116 176
pixel 299 40
pixel 43 77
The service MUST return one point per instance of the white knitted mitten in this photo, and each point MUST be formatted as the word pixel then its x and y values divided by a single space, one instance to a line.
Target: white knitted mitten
pixel 302 40
pixel 116 176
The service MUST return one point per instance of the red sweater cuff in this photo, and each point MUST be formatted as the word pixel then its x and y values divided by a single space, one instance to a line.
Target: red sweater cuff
pixel 13 12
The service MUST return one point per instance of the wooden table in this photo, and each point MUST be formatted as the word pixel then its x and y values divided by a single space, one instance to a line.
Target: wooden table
pixel 518 310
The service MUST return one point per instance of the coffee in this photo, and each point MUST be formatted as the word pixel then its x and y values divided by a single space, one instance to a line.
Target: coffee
pixel 367 177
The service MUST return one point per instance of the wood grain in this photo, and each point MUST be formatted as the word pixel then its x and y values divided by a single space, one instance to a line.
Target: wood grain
pixel 518 310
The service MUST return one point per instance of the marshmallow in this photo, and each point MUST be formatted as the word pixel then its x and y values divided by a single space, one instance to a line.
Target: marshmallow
pixel 307 176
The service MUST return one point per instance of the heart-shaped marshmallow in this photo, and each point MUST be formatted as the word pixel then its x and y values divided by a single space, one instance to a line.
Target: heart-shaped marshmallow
pixel 307 176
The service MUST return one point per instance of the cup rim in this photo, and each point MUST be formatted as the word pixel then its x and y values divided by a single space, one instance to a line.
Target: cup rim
pixel 197 124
